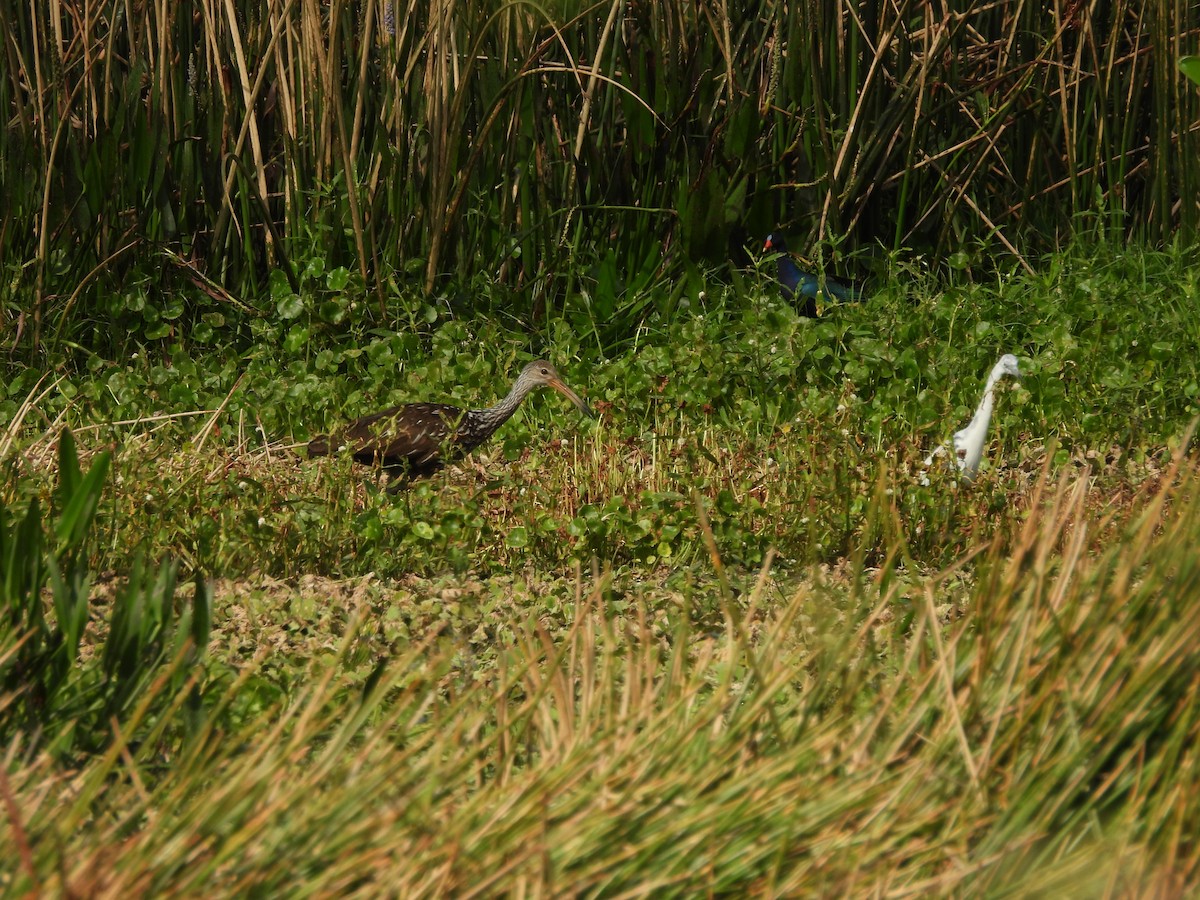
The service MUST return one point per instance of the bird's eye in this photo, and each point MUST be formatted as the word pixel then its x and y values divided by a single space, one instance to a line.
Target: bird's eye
pixel 545 371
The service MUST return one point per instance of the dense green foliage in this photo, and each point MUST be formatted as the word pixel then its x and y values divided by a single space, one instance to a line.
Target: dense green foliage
pixel 162 162
pixel 724 638
pixel 764 413
pixel 761 412
pixel 48 695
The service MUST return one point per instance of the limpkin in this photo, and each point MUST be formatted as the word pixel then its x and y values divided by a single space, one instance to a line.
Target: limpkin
pixel 794 282
pixel 419 438
pixel 968 443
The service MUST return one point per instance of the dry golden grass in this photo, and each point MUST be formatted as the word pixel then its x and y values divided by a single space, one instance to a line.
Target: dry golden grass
pixel 1022 721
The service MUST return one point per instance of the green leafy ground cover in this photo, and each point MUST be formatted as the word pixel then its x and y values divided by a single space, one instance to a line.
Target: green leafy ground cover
pixel 720 639
pixel 785 426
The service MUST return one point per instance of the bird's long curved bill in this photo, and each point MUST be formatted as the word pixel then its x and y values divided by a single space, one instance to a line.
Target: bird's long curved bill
pixel 579 402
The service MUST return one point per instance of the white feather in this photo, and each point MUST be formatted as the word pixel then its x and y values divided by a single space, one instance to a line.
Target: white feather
pixel 969 442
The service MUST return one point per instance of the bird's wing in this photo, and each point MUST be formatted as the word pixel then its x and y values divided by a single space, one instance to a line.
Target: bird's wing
pixel 846 293
pixel 807 284
pixel 795 284
pixel 415 433
pixel 791 279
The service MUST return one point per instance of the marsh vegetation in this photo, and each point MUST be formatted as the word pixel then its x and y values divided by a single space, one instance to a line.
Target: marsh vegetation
pixel 721 638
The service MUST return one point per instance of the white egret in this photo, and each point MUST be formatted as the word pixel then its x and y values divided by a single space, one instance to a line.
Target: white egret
pixel 968 443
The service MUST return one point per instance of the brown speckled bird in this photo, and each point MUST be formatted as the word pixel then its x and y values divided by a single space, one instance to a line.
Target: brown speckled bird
pixel 419 438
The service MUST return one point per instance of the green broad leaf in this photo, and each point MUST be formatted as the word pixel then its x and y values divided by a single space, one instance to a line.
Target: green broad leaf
pixel 70 606
pixel 296 340
pixel 80 507
pixel 315 268
pixel 1190 66
pixel 289 306
pixel 607 287
pixel 69 474
pixel 744 125
pixel 143 149
pixel 395 516
pixel 423 530
pixel 518 537
pixel 726 503
pixel 124 620
pixel 280 286
pixel 162 597
pixel 333 311
pixel 21 575
pixel 157 331
pixel 338 278
pixel 1162 350
pixel 371 527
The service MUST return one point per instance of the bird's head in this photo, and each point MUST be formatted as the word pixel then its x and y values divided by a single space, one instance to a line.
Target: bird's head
pixel 775 243
pixel 1008 365
pixel 541 373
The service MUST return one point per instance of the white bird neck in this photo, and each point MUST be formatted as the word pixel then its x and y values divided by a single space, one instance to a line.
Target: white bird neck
pixel 969 442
